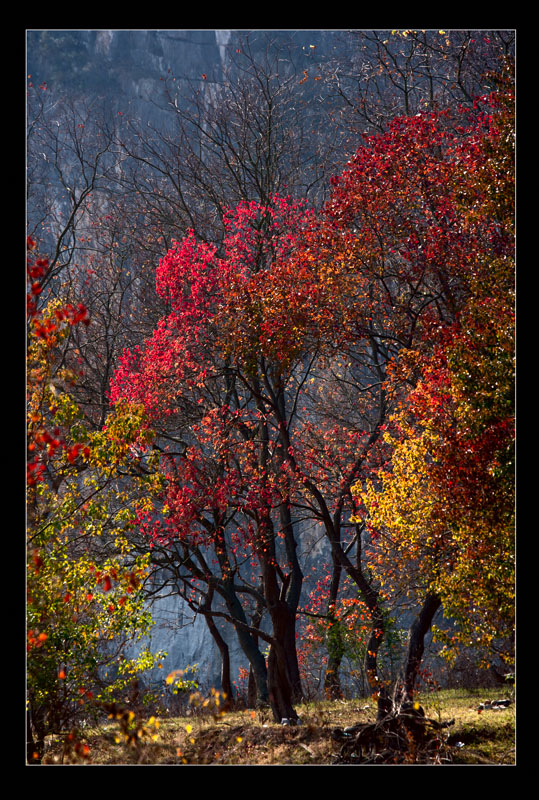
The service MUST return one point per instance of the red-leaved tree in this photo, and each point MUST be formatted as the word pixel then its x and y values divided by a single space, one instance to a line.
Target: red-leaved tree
pixel 218 382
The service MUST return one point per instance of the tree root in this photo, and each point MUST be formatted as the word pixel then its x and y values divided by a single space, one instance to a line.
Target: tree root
pixel 403 736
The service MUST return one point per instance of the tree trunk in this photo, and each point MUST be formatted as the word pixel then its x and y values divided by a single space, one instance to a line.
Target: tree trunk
pixel 371 599
pixel 247 639
pixel 251 689
pixel 248 643
pixel 332 682
pixel 257 664
pixel 226 682
pixel 291 657
pixel 256 619
pixel 280 685
pixel 291 591
pixel 416 642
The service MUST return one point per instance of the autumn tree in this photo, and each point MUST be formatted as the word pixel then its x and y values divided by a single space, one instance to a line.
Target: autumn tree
pixel 84 600
pixel 401 255
pixel 265 333
pixel 445 508
pixel 212 380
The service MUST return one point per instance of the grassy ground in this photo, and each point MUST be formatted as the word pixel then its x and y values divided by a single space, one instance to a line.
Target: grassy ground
pixel 252 738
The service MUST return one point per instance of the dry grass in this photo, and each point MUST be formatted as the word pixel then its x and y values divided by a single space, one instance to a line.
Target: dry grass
pixel 252 738
pixel 486 737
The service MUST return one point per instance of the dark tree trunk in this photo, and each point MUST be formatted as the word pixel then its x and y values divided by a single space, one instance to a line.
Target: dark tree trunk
pixel 332 681
pixel 291 592
pixel 280 685
pixel 226 681
pixel 416 643
pixel 249 644
pixel 247 638
pixel 251 689
pixel 291 657
pixel 257 665
pixel 256 619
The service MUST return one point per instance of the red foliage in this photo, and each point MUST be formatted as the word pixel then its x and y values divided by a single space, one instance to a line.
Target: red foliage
pixel 44 334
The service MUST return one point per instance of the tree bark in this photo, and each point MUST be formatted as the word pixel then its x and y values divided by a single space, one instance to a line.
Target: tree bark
pixel 226 681
pixel 279 685
pixel 291 591
pixel 256 619
pixel 332 682
pixel 416 642
pixel 256 660
pixel 279 678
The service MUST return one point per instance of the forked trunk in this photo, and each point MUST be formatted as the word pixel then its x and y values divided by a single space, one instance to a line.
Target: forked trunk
pixel 282 650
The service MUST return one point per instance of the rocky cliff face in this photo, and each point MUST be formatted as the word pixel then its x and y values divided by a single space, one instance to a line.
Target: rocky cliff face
pixel 115 60
pixel 131 64
pixel 126 67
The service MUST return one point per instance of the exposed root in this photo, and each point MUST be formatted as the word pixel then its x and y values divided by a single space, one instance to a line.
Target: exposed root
pixel 404 735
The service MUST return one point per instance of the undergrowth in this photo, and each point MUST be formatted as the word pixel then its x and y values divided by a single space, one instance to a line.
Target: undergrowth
pixel 210 736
